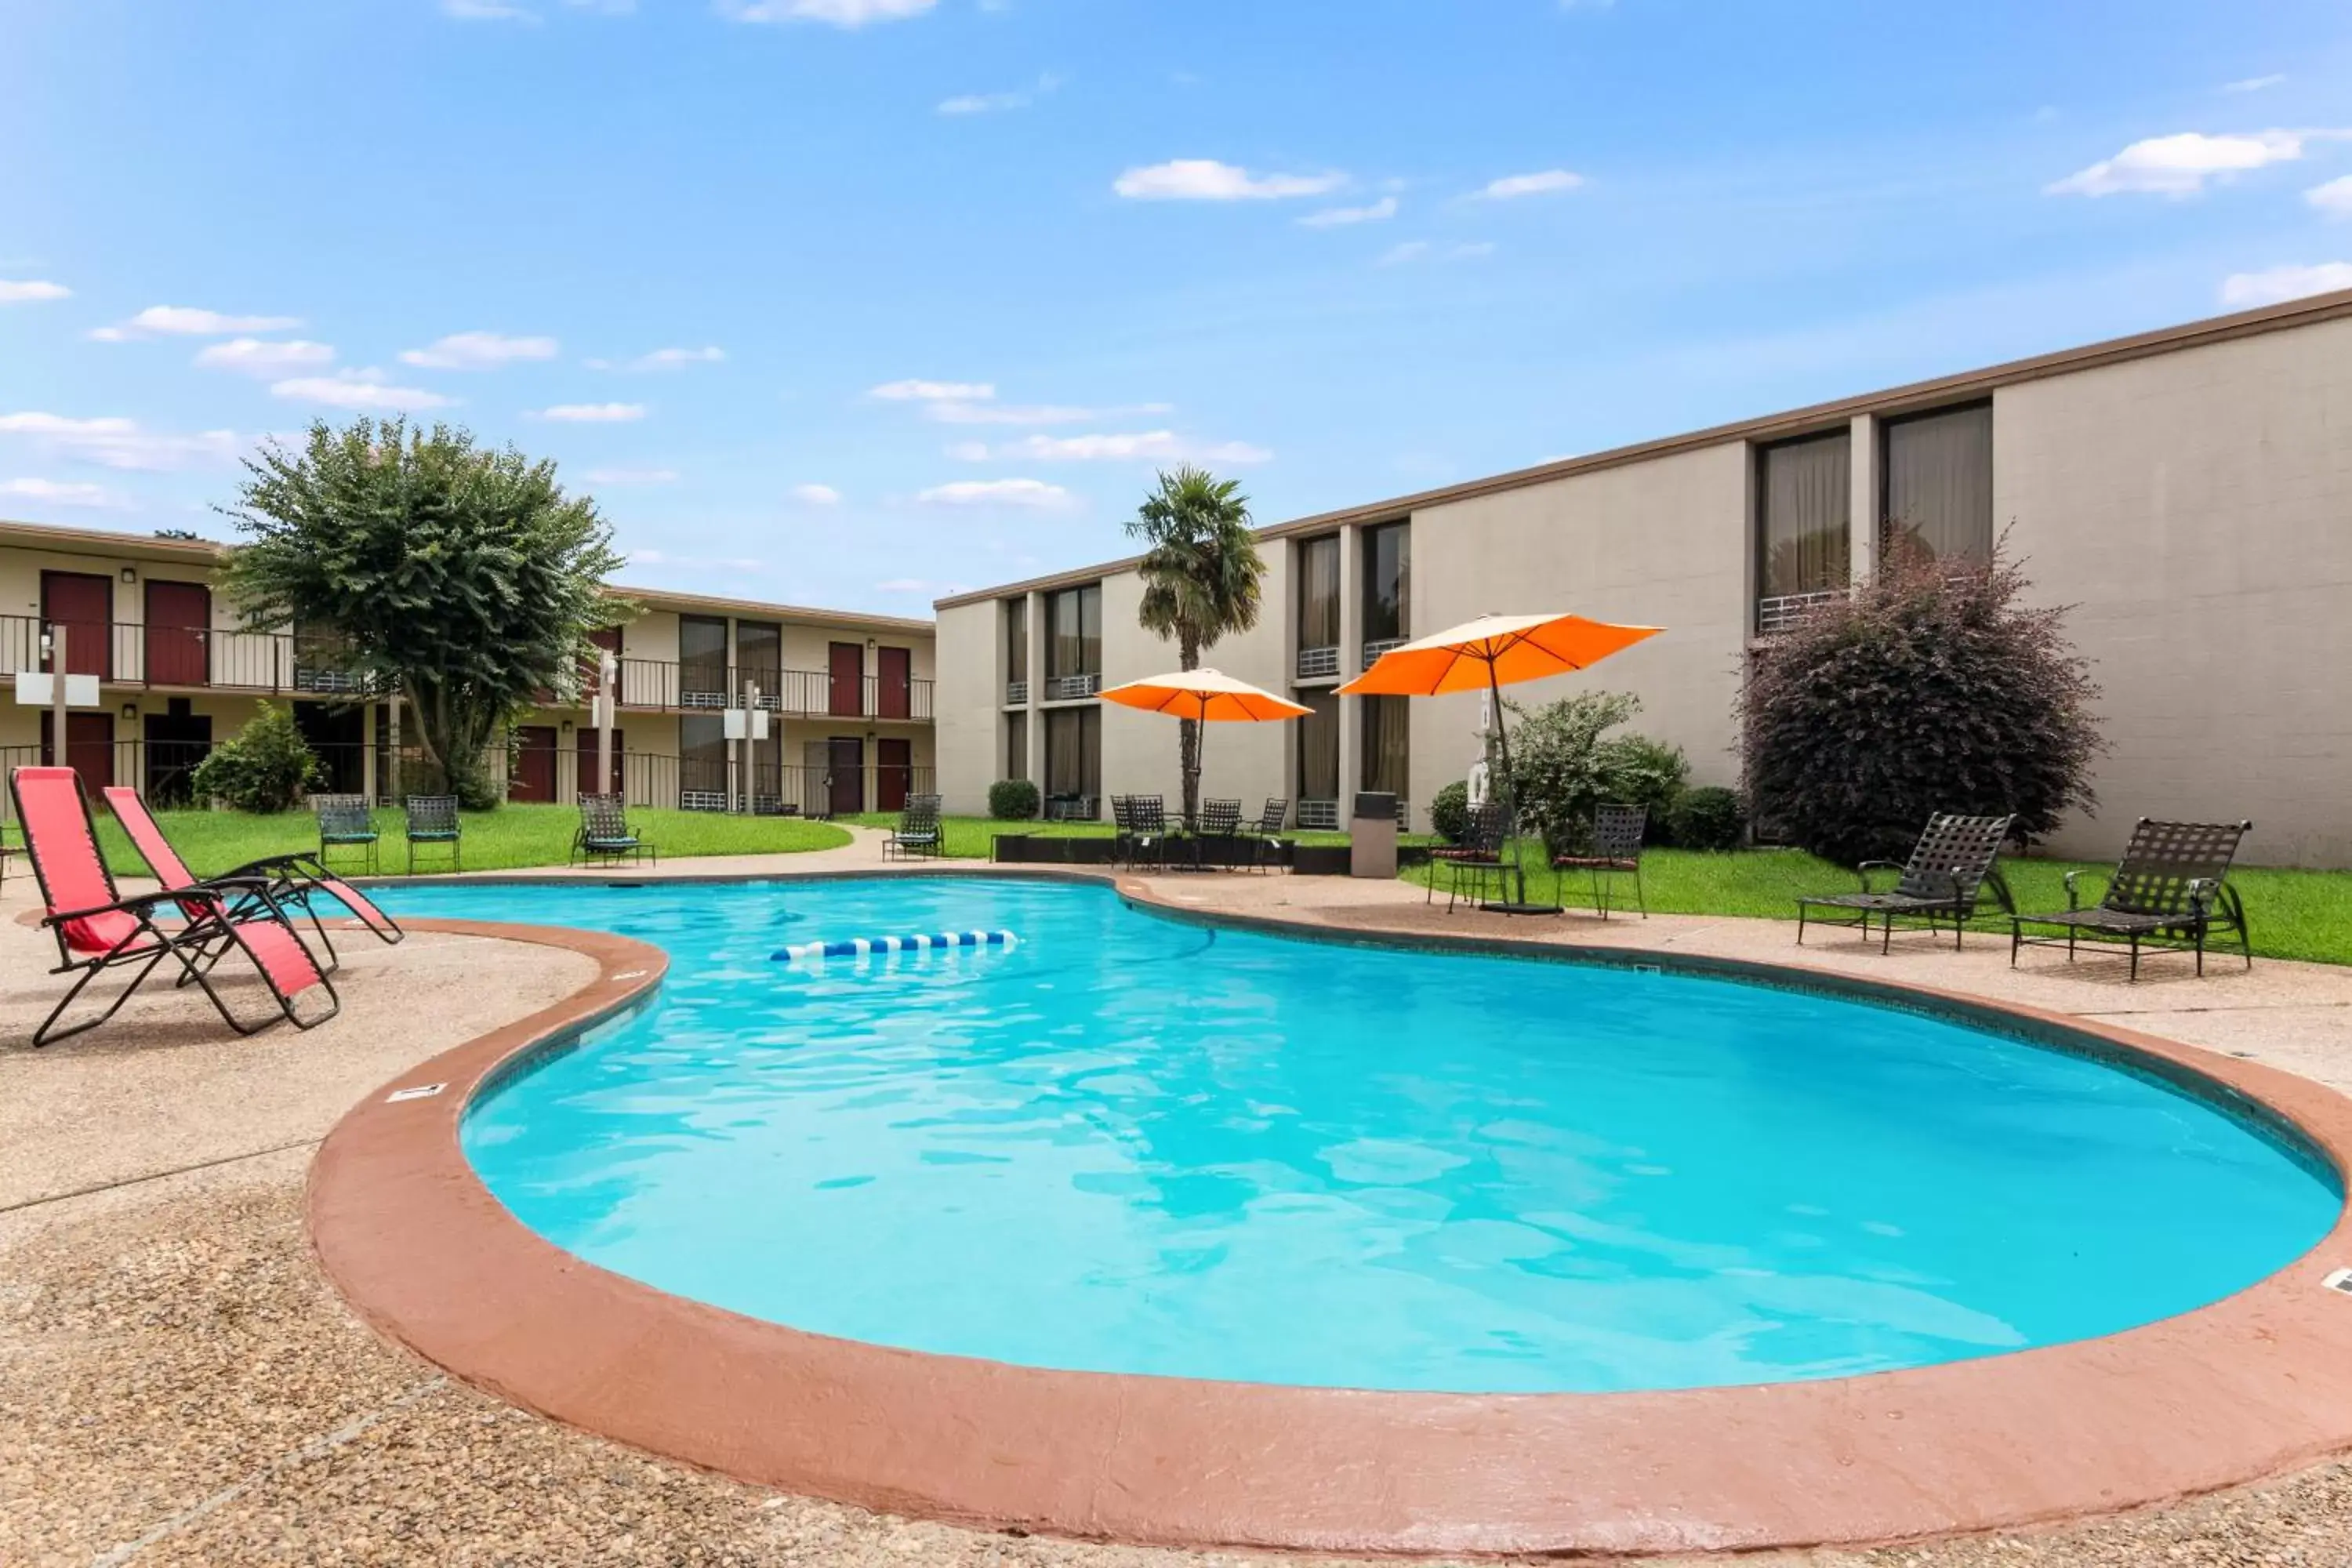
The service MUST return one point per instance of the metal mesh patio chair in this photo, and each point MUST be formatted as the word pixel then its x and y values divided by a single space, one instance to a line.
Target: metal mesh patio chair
pixel 604 834
pixel 345 823
pixel 1122 830
pixel 1616 851
pixel 1219 828
pixel 1471 862
pixel 918 832
pixel 1265 835
pixel 2172 886
pixel 1949 867
pixel 1147 816
pixel 433 822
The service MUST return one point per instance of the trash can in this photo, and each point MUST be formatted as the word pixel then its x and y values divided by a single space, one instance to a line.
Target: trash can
pixel 1372 835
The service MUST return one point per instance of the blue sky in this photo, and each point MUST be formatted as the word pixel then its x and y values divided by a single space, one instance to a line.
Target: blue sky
pixel 858 302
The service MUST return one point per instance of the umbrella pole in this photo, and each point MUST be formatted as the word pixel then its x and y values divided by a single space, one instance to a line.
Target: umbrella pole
pixel 1510 795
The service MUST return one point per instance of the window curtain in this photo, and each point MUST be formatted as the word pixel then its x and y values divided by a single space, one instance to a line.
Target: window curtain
pixel 702 752
pixel 1385 763
pixel 1074 632
pixel 759 655
pixel 1804 494
pixel 1318 745
pixel 1016 639
pixel 1937 491
pixel 1074 752
pixel 1318 594
pixel 1016 745
pixel 1388 581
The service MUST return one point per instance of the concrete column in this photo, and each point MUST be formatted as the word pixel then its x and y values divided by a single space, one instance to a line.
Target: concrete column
pixel 1863 537
pixel 1352 662
pixel 1036 728
pixel 367 752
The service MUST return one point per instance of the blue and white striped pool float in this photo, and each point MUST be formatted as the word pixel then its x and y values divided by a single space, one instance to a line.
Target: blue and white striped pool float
pixel 865 946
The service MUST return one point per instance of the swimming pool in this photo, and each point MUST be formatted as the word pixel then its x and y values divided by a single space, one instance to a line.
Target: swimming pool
pixel 1139 1145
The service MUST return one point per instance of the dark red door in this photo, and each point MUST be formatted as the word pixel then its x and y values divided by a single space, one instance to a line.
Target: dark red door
pixel 178 615
pixel 84 605
pixel 894 773
pixel 89 746
pixel 845 762
pixel 588 749
pixel 533 779
pixel 894 683
pixel 848 664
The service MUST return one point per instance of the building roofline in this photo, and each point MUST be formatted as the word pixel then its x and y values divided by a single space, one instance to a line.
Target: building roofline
pixel 209 553
pixel 1901 399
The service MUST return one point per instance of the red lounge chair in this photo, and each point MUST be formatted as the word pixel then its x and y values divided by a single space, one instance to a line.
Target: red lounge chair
pixel 97 928
pixel 290 880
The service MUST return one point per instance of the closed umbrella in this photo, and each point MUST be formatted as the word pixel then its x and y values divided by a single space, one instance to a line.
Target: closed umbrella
pixel 1488 654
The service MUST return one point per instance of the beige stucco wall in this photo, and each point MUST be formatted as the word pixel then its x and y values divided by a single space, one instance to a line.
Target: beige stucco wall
pixel 2197 509
pixel 969 704
pixel 1659 543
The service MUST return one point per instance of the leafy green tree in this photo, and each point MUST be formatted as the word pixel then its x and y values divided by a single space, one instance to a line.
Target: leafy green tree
pixel 1202 580
pixel 465 579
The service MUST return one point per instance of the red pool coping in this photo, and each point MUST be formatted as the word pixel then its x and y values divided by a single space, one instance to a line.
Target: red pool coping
pixel 2252 1386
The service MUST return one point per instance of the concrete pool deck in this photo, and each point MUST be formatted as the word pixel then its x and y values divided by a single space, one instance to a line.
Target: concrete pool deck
pixel 178 1343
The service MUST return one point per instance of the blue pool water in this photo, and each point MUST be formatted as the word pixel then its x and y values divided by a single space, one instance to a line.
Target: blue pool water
pixel 1135 1144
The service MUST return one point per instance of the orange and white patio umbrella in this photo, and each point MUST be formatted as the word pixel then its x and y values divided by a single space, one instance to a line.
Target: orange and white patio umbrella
pixel 1205 694
pixel 1490 653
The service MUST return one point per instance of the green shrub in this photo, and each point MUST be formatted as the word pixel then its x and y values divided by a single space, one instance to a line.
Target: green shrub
pixel 264 768
pixel 1637 771
pixel 1012 800
pixel 1556 777
pixel 1707 817
pixel 1449 813
pixel 1933 689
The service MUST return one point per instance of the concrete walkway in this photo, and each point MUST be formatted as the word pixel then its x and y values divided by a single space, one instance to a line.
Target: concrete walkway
pixel 182 1387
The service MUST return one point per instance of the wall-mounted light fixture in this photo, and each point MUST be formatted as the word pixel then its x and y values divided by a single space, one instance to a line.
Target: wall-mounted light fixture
pixel 131 574
pixel 131 712
pixel 565 726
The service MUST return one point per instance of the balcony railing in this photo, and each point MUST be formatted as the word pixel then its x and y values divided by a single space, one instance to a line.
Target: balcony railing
pixel 1783 612
pixel 1318 663
pixel 1373 650
pixel 183 657
pixel 705 686
pixel 1069 688
pixel 1016 694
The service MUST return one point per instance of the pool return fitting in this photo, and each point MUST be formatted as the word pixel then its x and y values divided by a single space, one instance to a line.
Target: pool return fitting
pixel 864 946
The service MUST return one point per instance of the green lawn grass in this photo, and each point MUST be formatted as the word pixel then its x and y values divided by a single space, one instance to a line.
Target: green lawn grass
pixel 2293 914
pixel 969 837
pixel 512 837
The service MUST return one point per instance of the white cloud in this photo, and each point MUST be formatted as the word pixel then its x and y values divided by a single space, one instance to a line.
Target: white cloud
pixel 2254 83
pixel 360 389
pixel 28 290
pixel 1409 250
pixel 998 102
pixel 666 359
pixel 933 391
pixel 1206 180
pixel 183 321
pixel 816 495
pixel 1032 493
pixel 56 492
pixel 2334 198
pixel 593 413
pixel 1423 250
pixel 1148 446
pixel 1333 217
pixel 631 476
pixel 1471 250
pixel 2179 165
pixel 954 413
pixel 839 13
pixel 1548 181
pixel 478 350
pixel 117 442
pixel 258 356
pixel 2277 285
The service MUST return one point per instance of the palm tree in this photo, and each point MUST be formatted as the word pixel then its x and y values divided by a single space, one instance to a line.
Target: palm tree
pixel 1200 574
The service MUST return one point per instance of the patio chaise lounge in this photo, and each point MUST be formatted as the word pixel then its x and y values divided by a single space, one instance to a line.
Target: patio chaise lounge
pixel 604 834
pixel 289 881
pixel 1949 867
pixel 918 832
pixel 97 928
pixel 2172 884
